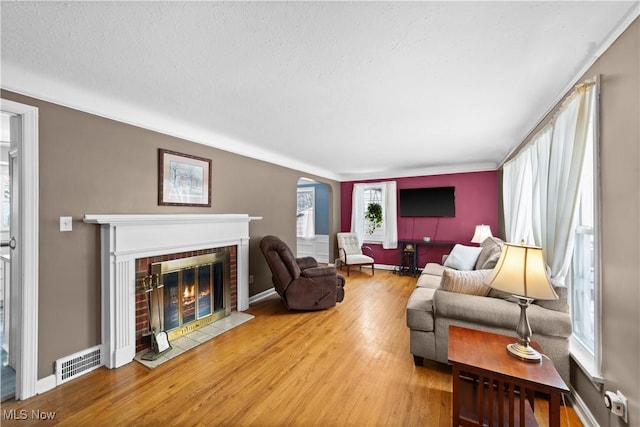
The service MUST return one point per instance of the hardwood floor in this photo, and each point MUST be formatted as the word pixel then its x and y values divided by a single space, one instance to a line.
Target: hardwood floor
pixel 349 365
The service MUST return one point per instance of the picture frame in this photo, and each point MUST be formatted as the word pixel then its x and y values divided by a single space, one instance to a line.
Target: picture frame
pixel 183 180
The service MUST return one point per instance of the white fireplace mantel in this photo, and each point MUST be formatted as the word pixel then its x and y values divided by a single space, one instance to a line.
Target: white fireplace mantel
pixel 125 238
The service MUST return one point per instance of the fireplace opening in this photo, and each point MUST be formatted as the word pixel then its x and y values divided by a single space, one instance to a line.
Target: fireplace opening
pixel 150 295
pixel 189 293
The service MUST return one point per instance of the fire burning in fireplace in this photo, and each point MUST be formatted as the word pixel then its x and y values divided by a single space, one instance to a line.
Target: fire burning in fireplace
pixel 184 294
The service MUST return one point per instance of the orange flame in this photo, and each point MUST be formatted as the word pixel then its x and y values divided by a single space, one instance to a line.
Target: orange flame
pixel 189 291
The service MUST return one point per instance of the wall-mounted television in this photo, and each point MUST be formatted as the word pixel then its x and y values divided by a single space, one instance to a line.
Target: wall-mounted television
pixel 433 201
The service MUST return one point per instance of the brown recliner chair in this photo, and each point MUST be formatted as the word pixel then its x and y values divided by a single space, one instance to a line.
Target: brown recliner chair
pixel 300 282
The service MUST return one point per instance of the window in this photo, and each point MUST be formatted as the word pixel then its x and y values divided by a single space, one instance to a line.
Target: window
pixel 305 212
pixel 373 194
pixel 385 194
pixel 551 195
pixel 585 267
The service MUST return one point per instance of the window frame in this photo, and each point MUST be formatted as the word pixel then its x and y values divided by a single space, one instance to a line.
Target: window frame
pixel 378 235
pixel 591 361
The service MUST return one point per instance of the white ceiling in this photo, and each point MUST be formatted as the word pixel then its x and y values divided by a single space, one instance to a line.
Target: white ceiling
pixel 344 90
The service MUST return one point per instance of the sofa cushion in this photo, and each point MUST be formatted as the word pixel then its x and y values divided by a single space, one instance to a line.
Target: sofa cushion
pixel 463 257
pixel 420 309
pixel 465 282
pixel 433 268
pixel 428 281
pixel 488 248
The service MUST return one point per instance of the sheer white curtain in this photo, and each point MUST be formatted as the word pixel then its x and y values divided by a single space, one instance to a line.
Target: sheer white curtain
pixel 566 153
pixel 389 209
pixel 541 184
pixel 390 240
pixel 308 224
pixel 357 210
pixel 517 197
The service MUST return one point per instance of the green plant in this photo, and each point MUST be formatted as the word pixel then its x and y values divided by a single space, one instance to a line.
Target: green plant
pixel 374 216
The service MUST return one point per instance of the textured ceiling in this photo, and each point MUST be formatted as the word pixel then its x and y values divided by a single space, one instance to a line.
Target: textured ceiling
pixel 344 90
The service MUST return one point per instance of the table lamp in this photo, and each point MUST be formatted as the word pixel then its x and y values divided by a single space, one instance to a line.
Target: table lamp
pixel 481 233
pixel 521 271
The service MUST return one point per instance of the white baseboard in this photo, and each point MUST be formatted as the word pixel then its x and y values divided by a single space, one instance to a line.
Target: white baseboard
pixel 385 267
pixel 262 295
pixel 582 411
pixel 45 384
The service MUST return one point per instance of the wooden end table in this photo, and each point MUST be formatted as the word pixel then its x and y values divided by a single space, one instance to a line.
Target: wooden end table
pixel 492 388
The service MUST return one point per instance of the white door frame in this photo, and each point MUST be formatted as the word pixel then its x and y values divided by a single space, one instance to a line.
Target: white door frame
pixel 28 248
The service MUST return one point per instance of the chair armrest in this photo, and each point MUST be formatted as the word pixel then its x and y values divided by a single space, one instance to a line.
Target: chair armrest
pixel 343 252
pixel 306 262
pixel 319 272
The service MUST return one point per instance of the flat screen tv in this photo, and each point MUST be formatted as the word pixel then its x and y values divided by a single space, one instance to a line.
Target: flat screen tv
pixel 433 201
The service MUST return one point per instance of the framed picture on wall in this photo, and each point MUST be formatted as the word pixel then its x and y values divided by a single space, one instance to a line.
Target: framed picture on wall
pixel 183 180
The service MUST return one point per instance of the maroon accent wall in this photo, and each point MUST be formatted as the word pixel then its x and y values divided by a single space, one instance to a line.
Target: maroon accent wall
pixel 476 203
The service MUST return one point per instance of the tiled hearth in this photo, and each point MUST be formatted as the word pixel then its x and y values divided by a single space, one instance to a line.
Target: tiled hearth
pixel 195 338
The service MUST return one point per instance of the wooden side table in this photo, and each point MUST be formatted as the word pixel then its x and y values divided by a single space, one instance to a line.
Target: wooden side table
pixel 492 388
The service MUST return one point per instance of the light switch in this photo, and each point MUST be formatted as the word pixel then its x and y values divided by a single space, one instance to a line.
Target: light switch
pixel 65 223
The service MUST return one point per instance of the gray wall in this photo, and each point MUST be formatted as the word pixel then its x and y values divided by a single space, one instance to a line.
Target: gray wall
pixel 92 165
pixel 619 69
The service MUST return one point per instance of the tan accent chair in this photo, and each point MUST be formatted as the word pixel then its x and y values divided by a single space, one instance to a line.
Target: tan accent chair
pixel 351 252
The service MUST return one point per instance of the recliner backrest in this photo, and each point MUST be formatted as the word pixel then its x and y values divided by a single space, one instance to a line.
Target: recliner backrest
pixel 282 263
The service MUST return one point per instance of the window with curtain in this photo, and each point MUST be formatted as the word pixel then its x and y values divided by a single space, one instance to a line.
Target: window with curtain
pixel 305 212
pixel 373 195
pixel 383 193
pixel 550 195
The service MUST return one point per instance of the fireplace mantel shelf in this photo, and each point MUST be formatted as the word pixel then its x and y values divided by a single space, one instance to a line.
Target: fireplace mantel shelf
pixel 130 219
pixel 126 237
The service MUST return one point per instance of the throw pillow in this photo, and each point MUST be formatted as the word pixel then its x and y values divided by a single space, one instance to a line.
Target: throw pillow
pixel 462 257
pixel 465 282
pixel 491 262
pixel 490 246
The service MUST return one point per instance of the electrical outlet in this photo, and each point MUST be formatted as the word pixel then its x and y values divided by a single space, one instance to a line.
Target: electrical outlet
pixel 625 407
pixel 66 223
pixel 617 404
pixel 251 279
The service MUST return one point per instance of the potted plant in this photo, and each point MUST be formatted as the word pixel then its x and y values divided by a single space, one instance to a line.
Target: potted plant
pixel 374 216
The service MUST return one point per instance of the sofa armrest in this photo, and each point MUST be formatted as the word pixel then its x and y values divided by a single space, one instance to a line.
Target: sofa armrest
pixel 496 312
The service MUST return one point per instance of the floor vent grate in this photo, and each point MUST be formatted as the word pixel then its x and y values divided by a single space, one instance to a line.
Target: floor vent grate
pixel 70 367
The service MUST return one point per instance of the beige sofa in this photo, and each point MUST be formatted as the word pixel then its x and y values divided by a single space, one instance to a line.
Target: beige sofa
pixel 447 296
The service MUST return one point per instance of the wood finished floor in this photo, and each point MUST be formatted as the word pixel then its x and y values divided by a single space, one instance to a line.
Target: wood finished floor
pixel 347 366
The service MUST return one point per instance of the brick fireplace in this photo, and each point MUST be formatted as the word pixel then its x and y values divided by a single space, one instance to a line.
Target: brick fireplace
pixel 129 242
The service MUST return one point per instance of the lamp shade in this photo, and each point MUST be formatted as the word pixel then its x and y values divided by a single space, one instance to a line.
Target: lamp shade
pixel 521 270
pixel 481 233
